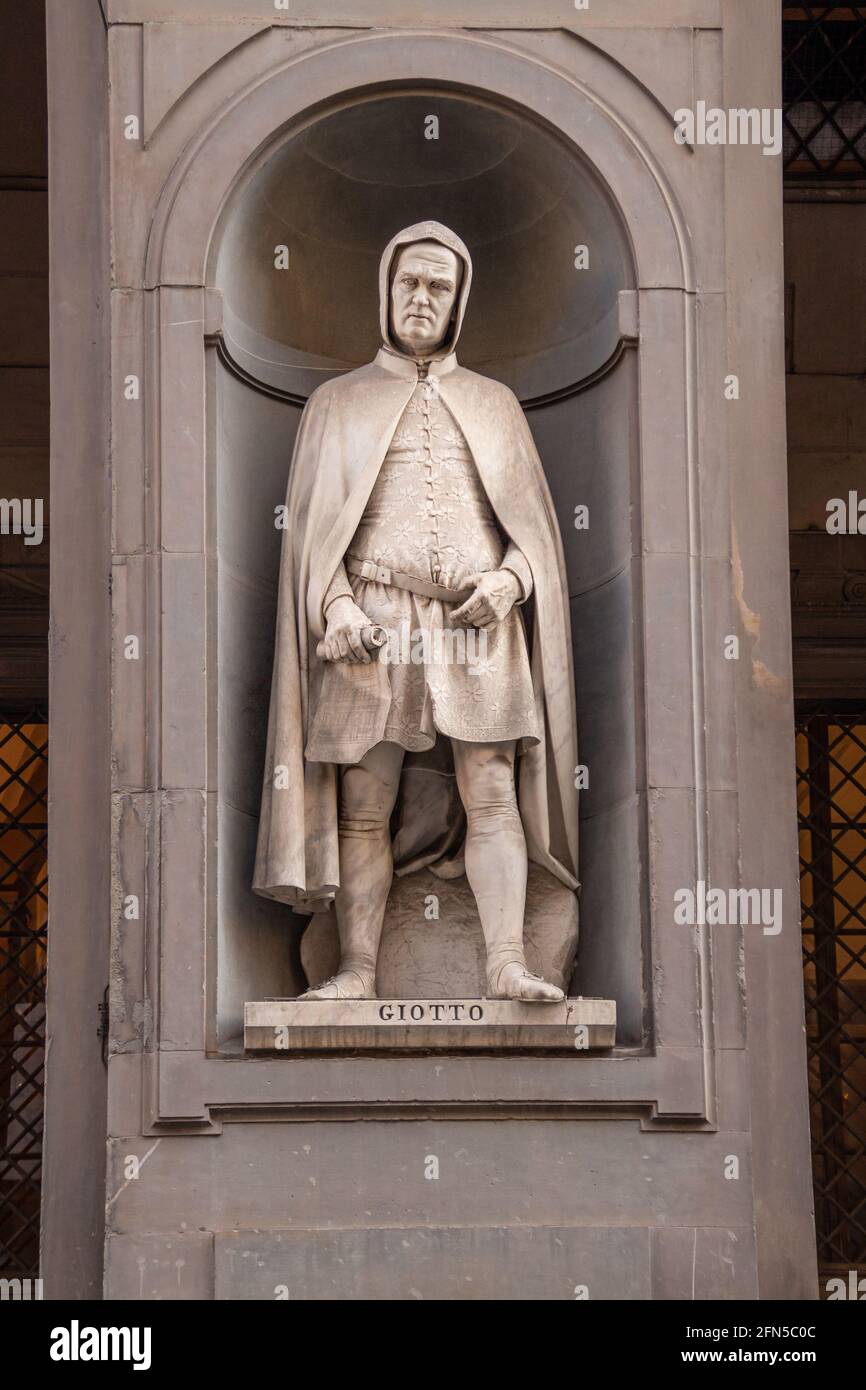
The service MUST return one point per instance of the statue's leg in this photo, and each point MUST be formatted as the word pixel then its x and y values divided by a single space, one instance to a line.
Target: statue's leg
pixel 368 791
pixel 496 866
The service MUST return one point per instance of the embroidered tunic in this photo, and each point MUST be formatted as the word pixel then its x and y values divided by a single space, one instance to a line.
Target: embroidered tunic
pixel 428 516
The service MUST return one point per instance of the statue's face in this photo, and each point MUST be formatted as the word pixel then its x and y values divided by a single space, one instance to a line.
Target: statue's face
pixel 424 289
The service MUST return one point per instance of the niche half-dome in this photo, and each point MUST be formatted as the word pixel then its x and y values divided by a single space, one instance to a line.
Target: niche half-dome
pixel 334 192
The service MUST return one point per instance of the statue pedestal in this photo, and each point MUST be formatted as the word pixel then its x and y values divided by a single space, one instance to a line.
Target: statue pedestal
pixel 286 1026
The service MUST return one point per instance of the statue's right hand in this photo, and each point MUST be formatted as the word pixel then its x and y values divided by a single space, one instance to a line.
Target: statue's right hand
pixel 345 623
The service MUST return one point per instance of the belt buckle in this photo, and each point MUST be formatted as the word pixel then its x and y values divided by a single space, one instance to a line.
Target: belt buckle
pixel 375 574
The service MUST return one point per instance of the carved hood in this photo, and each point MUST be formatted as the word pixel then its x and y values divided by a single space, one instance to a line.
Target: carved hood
pixel 424 231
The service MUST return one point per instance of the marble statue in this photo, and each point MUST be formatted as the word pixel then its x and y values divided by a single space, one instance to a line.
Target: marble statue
pixel 417 505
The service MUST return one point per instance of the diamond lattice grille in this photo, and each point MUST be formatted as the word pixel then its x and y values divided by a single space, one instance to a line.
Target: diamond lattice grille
pixel 824 90
pixel 831 773
pixel 23 933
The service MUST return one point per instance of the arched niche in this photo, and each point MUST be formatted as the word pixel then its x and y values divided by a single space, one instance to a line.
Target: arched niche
pixel 333 191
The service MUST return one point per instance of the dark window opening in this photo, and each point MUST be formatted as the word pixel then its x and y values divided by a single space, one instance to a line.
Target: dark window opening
pixel 831 787
pixel 824 90
pixel 23 943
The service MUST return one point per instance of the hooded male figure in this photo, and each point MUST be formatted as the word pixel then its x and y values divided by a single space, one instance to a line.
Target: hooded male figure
pixel 417 502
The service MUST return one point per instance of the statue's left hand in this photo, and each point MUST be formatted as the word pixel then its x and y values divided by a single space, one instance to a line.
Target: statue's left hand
pixel 494 595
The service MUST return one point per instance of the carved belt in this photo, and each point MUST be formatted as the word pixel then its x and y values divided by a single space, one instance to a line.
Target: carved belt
pixel 377 574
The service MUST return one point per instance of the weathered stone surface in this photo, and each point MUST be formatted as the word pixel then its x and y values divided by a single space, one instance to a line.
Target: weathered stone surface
pixel 444 958
pixel 721 619
pixel 669 677
pixel 257 942
pixel 336 1175
pixel 513 13
pixel 182 386
pixel 128 462
pixel 596 476
pixel 664 61
pixel 183 851
pixel 602 623
pixel 183 674
pixel 694 1262
pixel 664 445
pixel 157 1267
pixel 401 1264
pixel 129 676
pixel 676 962
pixel 124 1094
pixel 773 966
pixel 130 1019
pixel 175 60
pixel 726 946
pixel 609 960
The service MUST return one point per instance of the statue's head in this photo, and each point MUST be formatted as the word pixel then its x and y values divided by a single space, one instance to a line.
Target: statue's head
pixel 426 272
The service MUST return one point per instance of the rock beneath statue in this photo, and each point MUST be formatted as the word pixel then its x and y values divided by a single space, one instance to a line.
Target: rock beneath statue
pixel 432 946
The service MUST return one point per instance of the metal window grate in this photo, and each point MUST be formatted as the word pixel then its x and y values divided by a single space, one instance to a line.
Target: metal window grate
pixel 23 939
pixel 824 90
pixel 831 786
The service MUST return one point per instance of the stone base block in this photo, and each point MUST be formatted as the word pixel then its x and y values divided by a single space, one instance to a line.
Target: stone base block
pixel 285 1026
